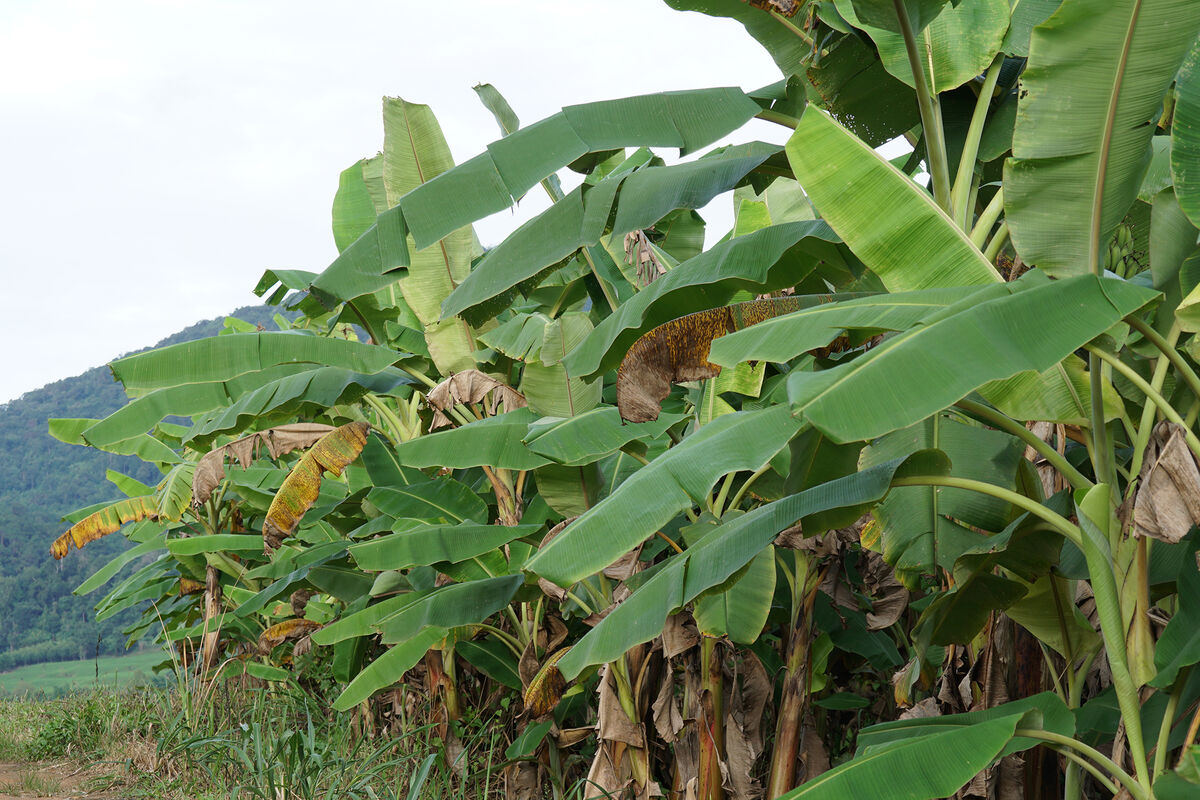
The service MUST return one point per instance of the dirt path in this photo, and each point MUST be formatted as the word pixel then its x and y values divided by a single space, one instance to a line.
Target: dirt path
pixel 58 780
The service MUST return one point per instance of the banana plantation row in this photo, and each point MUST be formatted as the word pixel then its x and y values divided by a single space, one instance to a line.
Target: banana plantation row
pixel 890 492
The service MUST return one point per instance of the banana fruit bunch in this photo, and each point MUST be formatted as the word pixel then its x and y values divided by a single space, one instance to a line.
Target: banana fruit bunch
pixel 1120 257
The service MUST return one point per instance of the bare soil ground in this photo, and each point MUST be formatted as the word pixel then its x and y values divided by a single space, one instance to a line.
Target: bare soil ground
pixel 50 779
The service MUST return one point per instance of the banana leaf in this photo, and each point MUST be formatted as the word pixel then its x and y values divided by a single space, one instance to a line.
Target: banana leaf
pixel 961 40
pixel 587 437
pixel 581 218
pixel 431 544
pixel 783 338
pixel 492 441
pixel 1090 95
pixel 222 358
pixel 763 261
pixel 387 669
pixel 1185 135
pixel 652 496
pixel 914 374
pixel 722 552
pixel 889 222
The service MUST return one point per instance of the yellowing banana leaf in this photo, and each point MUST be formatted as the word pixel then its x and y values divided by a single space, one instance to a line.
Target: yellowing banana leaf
pixel 889 222
pixel 652 496
pixel 105 521
pixel 299 491
pixel 277 441
pixel 286 631
pixel 1090 97
pixel 763 261
pixel 221 358
pixel 914 374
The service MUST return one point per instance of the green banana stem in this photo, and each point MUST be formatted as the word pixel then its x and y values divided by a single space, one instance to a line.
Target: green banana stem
pixel 966 164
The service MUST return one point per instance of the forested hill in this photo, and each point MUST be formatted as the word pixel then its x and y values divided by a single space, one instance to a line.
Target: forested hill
pixel 42 479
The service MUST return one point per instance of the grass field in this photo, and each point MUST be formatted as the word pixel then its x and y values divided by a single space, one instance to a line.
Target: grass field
pixel 58 677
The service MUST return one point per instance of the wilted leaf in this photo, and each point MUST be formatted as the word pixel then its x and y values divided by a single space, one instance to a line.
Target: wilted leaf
pixel 105 521
pixel 1168 500
pixel 189 586
pixel 299 491
pixel 677 351
pixel 286 631
pixel 471 386
pixel 547 687
pixel 277 441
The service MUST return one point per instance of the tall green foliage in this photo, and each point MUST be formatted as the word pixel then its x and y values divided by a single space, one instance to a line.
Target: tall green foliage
pixel 889 498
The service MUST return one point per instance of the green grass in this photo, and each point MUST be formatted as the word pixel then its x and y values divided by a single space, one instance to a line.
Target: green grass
pixel 59 677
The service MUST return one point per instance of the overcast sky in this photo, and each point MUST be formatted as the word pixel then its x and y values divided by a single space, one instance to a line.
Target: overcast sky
pixel 156 155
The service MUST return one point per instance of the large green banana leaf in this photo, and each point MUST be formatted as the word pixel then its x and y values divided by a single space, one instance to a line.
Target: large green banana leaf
pixel 443 500
pixel 221 358
pixel 388 668
pixel 783 338
pixel 451 606
pixel 1053 715
pixel 741 610
pixel 1185 135
pixel 493 180
pixel 430 544
pixel 547 387
pixel 768 259
pixel 354 208
pixel 1090 97
pixel 415 152
pixel 581 218
pixel 142 445
pixel 154 544
pixel 587 437
pixel 961 40
pixel 1032 326
pixel 923 527
pixel 652 496
pixel 926 767
pixel 722 552
pixel 311 392
pixel 789 51
pixel 142 413
pixel 889 222
pixel 493 442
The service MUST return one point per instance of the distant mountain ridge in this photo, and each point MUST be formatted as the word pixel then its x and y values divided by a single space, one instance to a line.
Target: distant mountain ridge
pixel 42 479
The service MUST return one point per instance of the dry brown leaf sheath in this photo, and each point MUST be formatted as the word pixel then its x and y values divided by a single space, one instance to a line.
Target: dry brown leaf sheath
pixel 105 521
pixel 299 491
